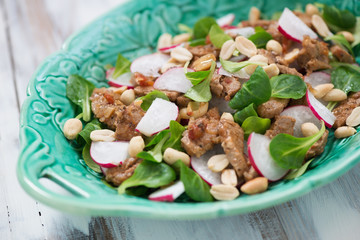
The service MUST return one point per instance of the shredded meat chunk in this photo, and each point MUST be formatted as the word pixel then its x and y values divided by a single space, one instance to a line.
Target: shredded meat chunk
pixel 343 111
pixel 272 108
pixel 259 23
pixel 232 141
pixel 282 124
pixel 119 174
pixel 287 70
pixel 306 18
pixel 224 86
pixel 250 174
pixel 199 51
pixel 143 90
pixel 318 147
pixel 341 54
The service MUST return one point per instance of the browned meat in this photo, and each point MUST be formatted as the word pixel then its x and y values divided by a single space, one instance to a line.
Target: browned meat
pixel 182 101
pixel 142 80
pixel 301 101
pixel 282 124
pixel 318 147
pixel 143 90
pixel 127 120
pixel 262 23
pixel 341 54
pixel 199 51
pixel 224 86
pixel 117 175
pixel 304 17
pixel 272 107
pixel 287 70
pixel 274 32
pixel 250 174
pixel 202 133
pixel 269 55
pixel 314 55
pixel 343 111
pixel 232 138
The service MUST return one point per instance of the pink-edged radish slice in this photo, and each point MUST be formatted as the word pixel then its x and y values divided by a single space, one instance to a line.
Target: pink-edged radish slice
pixel 122 80
pixel 169 48
pixel 149 65
pixel 109 72
pixel 109 154
pixel 319 110
pixel 199 165
pixel 104 170
pixel 293 28
pixel 302 114
pixel 245 32
pixel 261 160
pixel 174 79
pixel 317 78
pixel 242 74
pixel 168 194
pixel 157 117
pixel 226 20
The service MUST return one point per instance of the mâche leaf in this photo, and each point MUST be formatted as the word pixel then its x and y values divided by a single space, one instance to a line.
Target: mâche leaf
pixel 346 78
pixel 217 36
pixel 155 154
pixel 196 77
pixel 338 19
pixel 88 160
pixel 122 66
pixel 240 116
pixel 255 124
pixel 294 173
pixel 260 38
pixel 84 135
pixel 202 27
pixel 287 86
pixel 176 131
pixel 197 42
pixel 237 66
pixel 341 41
pixel 150 97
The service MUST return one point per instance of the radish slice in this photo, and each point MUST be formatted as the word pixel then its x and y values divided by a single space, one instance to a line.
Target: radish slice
pixel 168 194
pixel 157 117
pixel 242 74
pixel 109 154
pixel 239 58
pixel 246 31
pixel 221 104
pixel 317 78
pixel 149 65
pixel 199 165
pixel 319 110
pixel 104 170
pixel 168 49
pixel 122 80
pixel 226 20
pixel 302 114
pixel 174 80
pixel 293 28
pixel 261 160
pixel 109 72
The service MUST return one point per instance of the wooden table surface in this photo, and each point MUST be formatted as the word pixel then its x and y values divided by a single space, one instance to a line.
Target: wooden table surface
pixel 30 30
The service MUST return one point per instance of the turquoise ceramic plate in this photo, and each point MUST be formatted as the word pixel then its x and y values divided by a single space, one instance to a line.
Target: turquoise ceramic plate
pixel 133 29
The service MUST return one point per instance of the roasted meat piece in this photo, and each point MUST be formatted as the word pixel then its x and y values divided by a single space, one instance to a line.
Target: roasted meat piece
pixel 119 174
pixel 282 124
pixel 272 108
pixel 343 111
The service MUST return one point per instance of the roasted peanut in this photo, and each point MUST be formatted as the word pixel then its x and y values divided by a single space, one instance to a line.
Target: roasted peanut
pixel 128 96
pixel 321 90
pixel 227 116
pixel 197 109
pixel 217 163
pixel 311 9
pixel 291 56
pixel 118 90
pixel 320 26
pixel 228 177
pixel 164 41
pixel 308 129
pixel 227 49
pixel 224 192
pixel 345 131
pixel 183 114
pixel 181 38
pixel 254 15
pixel 181 54
pixel 354 118
pixel 254 186
pixel 271 70
pixel 72 128
pixel 348 36
pixel 245 46
pixel 172 155
pixel 335 95
pixel 136 145
pixel 257 58
pixel 204 63
pixel 103 135
pixel 274 46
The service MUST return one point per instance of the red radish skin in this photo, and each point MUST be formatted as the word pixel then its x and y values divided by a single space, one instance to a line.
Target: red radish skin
pixel 174 79
pixel 149 65
pixel 122 80
pixel 226 20
pixel 165 198
pixel 168 194
pixel 319 110
pixel 109 154
pixel 109 72
pixel 168 49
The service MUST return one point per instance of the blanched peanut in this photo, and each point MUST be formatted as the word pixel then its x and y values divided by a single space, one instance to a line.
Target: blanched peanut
pixel 72 128
pixel 136 145
pixel 274 46
pixel 228 177
pixel 204 63
pixel 254 186
pixel 128 96
pixel 224 192
pixel 172 155
pixel 335 95
pixel 181 54
pixel 308 129
pixel 245 46
pixel 254 15
pixel 169 65
pixel 183 114
pixel 184 37
pixel 311 9
pixel 227 49
pixel 354 118
pixel 227 116
pixel 119 90
pixel 292 56
pixel 271 70
pixel 348 36
pixel 197 109
pixel 217 163
pixel 345 131
pixel 257 58
pixel 164 41
pixel 103 135
pixel 320 26
pixel 321 90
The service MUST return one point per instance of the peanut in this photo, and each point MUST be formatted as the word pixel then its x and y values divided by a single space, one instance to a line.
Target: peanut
pixel 224 192
pixel 181 54
pixel 274 46
pixel 164 41
pixel 228 177
pixel 335 95
pixel 354 118
pixel 204 63
pixel 320 26
pixel 217 163
pixel 245 46
pixel 254 15
pixel 128 96
pixel 183 114
pixel 291 56
pixel 257 58
pixel 227 116
pixel 197 109
pixel 103 135
pixel 136 145
pixel 119 90
pixel 321 90
pixel 308 129
pixel 227 49
pixel 172 155
pixel 184 37
pixel 170 65
pixel 72 128
pixel 271 70
pixel 348 36
pixel 254 186
pixel 345 131
pixel 311 9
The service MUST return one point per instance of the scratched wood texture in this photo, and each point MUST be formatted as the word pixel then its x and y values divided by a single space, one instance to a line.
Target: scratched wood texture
pixel 30 30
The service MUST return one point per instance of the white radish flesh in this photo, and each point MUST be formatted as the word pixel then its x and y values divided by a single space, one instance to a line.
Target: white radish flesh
pixel 168 194
pixel 242 74
pixel 122 80
pixel 109 154
pixel 174 80
pixel 149 65
pixel 317 78
pixel 319 110
pixel 245 32
pixel 226 20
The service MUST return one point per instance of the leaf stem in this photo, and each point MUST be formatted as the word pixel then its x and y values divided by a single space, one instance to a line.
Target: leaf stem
pixel 331 105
